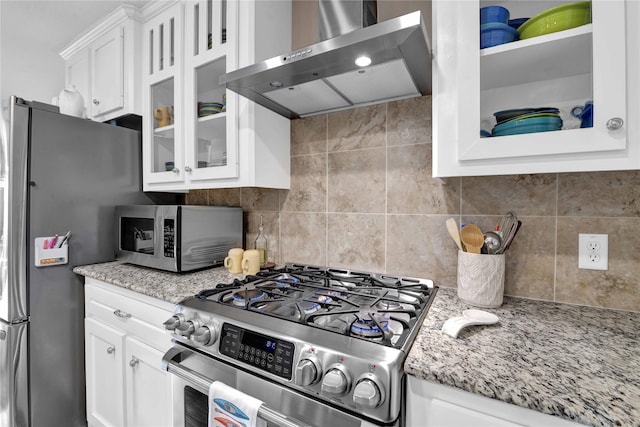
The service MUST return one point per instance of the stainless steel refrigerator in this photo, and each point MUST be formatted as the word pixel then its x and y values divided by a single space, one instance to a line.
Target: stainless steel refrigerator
pixel 59 173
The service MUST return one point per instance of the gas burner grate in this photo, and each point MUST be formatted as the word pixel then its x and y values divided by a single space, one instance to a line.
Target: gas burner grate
pixel 368 306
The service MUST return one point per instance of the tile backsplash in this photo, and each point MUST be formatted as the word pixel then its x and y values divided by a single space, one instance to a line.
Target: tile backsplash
pixel 362 197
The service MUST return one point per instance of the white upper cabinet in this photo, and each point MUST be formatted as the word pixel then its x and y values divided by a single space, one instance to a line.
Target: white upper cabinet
pixel 196 134
pixel 103 64
pixel 595 62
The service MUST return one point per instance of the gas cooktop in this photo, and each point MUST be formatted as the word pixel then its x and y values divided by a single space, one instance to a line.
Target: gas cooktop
pixel 374 307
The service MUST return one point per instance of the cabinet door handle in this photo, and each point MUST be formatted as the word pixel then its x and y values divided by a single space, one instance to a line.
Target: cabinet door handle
pixel 187 169
pixel 96 102
pixel 134 361
pixel 176 171
pixel 615 123
pixel 111 349
pixel 122 314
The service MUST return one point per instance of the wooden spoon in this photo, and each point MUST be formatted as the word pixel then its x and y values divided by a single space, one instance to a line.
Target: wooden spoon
pixel 454 231
pixel 472 237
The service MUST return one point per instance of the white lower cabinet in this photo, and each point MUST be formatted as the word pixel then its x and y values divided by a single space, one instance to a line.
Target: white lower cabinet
pixel 124 344
pixel 437 405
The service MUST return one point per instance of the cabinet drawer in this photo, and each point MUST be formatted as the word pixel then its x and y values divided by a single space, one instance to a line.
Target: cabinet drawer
pixel 136 314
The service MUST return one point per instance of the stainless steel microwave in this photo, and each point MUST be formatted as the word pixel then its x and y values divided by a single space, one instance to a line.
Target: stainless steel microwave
pixel 175 237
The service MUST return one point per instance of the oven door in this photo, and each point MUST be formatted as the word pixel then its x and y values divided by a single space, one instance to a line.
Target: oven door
pixel 194 372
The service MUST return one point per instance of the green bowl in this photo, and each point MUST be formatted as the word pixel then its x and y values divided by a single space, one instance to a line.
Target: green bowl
pixel 556 19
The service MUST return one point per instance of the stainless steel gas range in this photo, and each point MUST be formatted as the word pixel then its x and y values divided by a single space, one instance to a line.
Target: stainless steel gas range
pixel 319 346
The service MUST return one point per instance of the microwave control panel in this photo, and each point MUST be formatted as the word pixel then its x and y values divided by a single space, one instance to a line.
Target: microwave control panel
pixel 169 238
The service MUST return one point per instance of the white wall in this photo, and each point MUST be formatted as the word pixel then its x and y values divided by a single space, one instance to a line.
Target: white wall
pixel 28 69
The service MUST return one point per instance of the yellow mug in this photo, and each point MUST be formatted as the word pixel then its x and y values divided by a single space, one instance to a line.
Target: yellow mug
pixel 164 116
pixel 234 261
pixel 251 261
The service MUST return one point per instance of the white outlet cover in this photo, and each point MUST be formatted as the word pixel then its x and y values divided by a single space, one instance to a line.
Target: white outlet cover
pixel 593 251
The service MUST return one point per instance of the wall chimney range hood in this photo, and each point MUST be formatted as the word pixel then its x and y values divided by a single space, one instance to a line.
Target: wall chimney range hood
pixel 382 62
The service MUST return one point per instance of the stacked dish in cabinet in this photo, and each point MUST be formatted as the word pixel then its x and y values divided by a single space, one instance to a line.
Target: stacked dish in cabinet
pixel 548 61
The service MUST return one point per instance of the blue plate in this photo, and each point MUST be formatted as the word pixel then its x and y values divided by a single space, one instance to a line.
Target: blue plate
pixel 535 124
pixel 540 113
pixel 509 114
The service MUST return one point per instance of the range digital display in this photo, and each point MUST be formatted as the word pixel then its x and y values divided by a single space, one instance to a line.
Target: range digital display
pixel 264 352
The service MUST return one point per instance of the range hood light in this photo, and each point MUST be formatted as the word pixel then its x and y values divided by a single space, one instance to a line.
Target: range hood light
pixel 363 61
pixel 275 84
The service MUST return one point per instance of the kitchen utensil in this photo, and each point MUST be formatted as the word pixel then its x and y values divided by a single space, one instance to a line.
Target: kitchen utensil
pixel 469 318
pixel 509 114
pixel 515 23
pixel 505 224
pixel 528 125
pixel 71 102
pixel 480 279
pixel 584 113
pixel 233 262
pixel 489 14
pixel 541 113
pixel 454 231
pixel 510 237
pixel 557 18
pixel 250 262
pixel 492 241
pixel 495 34
pixel 472 237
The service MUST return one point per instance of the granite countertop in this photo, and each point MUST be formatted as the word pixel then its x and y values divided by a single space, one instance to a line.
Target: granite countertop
pixel 578 363
pixel 164 285
pixel 575 362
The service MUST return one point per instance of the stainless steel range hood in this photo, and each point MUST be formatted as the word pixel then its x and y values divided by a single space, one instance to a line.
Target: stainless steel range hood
pixel 323 77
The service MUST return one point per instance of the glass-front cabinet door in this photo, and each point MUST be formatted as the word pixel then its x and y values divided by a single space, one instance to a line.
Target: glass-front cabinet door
pixel 556 98
pixel 163 160
pixel 211 150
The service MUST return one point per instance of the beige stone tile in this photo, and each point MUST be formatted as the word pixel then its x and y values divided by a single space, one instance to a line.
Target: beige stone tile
pixel 309 135
pixel 409 121
pixel 259 199
pixel 357 128
pixel 271 222
pixel 613 194
pixel 419 246
pixel 224 197
pixel 356 241
pixel 521 194
pixel 618 287
pixel 412 190
pixel 197 197
pixel 357 181
pixel 308 191
pixel 304 238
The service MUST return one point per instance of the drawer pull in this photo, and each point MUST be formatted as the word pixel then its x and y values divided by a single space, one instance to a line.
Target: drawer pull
pixel 134 361
pixel 111 349
pixel 122 314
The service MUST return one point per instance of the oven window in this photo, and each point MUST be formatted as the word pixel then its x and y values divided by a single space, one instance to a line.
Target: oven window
pixel 196 408
pixel 136 235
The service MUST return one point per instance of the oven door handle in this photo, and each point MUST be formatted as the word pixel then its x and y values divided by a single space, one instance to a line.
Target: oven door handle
pixel 171 364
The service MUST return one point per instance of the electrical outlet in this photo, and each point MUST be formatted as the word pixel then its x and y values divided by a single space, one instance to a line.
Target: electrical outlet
pixel 593 251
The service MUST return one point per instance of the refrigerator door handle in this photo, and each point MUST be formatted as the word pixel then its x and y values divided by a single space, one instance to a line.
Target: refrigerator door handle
pixel 3 335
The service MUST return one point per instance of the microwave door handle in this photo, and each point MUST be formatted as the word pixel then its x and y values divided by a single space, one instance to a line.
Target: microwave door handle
pixel 203 384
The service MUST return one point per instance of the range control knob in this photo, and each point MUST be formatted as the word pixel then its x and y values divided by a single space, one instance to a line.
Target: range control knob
pixel 308 371
pixel 173 322
pixel 187 328
pixel 335 381
pixel 367 393
pixel 205 335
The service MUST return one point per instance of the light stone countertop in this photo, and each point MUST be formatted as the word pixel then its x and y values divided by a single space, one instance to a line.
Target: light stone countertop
pixel 578 363
pixel 164 285
pixel 575 362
